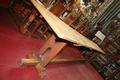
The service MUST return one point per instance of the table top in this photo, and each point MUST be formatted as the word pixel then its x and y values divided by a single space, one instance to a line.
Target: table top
pixel 63 30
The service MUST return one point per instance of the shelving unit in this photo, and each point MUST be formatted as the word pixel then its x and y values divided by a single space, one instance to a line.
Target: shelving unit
pixel 108 65
pixel 20 10
pixel 105 32
pixel 28 19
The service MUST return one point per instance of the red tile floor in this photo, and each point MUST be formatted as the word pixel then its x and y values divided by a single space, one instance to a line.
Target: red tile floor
pixel 14 46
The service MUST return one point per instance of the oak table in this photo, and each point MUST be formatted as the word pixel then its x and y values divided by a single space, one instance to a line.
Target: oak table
pixel 51 48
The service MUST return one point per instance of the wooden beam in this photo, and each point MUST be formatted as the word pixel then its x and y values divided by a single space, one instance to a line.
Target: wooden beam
pixel 66 60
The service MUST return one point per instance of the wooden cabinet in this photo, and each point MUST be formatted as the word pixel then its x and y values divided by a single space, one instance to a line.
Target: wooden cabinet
pixel 28 19
pixel 57 8
pixel 20 10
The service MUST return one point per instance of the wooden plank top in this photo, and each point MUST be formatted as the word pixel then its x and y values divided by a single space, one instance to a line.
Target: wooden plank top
pixel 63 30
